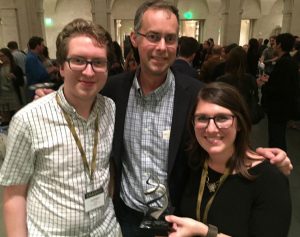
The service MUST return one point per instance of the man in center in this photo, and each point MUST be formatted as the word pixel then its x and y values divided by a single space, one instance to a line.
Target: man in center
pixel 152 107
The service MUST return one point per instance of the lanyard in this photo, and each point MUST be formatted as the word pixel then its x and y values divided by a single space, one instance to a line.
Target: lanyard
pixel 201 191
pixel 89 170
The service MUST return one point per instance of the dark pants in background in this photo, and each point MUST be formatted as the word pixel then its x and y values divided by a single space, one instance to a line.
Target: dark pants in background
pixel 277 133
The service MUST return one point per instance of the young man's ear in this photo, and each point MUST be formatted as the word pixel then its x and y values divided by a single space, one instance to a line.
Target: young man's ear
pixel 61 70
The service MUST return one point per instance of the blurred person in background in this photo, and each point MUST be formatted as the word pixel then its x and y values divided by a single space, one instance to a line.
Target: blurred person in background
pixel 19 56
pixel 279 91
pixel 117 63
pixel 36 72
pixel 187 48
pixel 11 79
pixel 252 57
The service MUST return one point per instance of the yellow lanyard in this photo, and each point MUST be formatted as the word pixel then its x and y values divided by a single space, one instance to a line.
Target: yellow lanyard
pixel 89 170
pixel 201 192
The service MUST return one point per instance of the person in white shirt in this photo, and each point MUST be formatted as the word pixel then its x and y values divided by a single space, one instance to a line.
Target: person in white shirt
pixel 56 169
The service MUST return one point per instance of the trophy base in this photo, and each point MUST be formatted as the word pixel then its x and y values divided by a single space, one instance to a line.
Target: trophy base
pixel 154 227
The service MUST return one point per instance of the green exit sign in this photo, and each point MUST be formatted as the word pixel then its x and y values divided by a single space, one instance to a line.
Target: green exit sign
pixel 48 22
pixel 188 15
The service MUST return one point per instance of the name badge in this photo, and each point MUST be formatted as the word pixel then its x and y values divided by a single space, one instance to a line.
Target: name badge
pixel 166 134
pixel 93 199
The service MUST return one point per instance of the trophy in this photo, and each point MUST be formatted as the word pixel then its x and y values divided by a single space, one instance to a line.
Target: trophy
pixel 154 222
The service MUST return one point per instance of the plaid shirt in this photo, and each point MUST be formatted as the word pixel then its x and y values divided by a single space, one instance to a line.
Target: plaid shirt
pixel 42 153
pixel 146 135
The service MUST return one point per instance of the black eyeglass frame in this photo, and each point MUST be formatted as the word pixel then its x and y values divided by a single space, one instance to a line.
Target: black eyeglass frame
pixel 86 63
pixel 214 119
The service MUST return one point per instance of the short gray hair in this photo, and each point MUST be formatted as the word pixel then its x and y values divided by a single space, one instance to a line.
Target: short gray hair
pixel 154 4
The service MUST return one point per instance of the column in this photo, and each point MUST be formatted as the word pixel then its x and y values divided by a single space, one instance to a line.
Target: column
pixel 231 22
pixel 295 26
pixel 35 17
pixel 99 12
pixel 287 16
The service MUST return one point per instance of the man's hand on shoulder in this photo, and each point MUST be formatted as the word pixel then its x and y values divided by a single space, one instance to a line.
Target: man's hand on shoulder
pixel 277 157
pixel 39 93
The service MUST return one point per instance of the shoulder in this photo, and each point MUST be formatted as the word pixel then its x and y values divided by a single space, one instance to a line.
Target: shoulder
pixel 118 78
pixel 179 62
pixel 106 109
pixel 186 81
pixel 34 115
pixel 37 107
pixel 117 82
pixel 269 174
pixel 106 102
pixel 31 56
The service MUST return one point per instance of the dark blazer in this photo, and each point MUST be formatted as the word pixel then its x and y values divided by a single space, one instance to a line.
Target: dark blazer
pixel 185 68
pixel 186 89
pixel 278 94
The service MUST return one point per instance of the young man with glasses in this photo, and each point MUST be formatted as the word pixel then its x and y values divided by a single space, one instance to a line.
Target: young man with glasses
pixel 56 169
pixel 152 107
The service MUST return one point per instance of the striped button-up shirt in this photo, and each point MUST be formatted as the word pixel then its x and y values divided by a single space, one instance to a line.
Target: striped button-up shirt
pixel 42 153
pixel 146 136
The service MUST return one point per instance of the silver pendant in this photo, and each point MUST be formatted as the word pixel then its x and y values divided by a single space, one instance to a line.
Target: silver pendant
pixel 212 187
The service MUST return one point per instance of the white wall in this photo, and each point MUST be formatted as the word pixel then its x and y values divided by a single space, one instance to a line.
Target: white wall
pixel 8 22
pixel 62 12
pixel 265 25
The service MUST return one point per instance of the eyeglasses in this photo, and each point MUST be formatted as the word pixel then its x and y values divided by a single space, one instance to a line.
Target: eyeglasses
pixel 154 37
pixel 222 121
pixel 80 64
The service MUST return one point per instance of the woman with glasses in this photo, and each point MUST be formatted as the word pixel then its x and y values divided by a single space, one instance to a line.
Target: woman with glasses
pixel 232 191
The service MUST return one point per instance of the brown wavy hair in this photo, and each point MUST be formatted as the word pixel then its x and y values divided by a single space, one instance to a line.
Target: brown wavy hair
pixel 81 27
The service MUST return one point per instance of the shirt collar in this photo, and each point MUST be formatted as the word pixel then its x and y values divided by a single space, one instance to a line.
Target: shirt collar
pixel 160 91
pixel 72 111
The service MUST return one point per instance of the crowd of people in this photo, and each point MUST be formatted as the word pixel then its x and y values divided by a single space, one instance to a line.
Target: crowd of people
pixel 78 162
pixel 267 73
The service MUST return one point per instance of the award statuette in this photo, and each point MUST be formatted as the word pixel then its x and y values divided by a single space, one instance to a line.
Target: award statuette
pixel 154 222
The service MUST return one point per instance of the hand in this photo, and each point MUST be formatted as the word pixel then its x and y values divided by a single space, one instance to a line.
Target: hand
pixel 39 93
pixel 262 80
pixel 12 76
pixel 186 227
pixel 277 157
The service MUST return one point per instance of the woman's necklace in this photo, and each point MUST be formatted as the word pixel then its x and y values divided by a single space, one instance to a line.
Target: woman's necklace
pixel 212 187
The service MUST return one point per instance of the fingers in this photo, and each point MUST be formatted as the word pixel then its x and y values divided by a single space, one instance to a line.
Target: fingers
pixel 267 153
pixel 277 157
pixel 173 219
pixel 286 167
pixel 42 92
